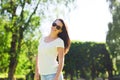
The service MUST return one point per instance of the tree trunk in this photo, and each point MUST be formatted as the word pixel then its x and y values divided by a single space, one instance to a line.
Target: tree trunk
pixel 109 66
pixel 16 43
pixel 93 70
pixel 12 67
pixel 13 57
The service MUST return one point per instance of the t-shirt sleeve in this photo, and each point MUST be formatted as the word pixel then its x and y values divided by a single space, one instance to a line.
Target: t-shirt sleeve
pixel 60 43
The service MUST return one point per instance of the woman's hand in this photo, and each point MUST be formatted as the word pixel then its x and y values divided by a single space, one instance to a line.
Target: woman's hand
pixel 56 78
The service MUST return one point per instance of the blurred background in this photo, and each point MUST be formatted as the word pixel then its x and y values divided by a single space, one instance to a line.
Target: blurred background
pixel 93 26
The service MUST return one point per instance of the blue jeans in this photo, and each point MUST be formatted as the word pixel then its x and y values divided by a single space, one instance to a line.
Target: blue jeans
pixel 51 77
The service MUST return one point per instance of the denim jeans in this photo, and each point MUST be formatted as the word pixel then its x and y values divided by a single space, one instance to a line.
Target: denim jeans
pixel 51 77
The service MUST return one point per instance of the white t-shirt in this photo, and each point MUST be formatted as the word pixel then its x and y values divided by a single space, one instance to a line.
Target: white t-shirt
pixel 47 55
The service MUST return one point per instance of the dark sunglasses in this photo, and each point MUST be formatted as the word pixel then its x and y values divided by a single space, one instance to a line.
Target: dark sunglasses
pixel 55 25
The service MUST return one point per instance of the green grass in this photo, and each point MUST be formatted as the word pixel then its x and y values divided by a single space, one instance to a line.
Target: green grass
pixel 5 75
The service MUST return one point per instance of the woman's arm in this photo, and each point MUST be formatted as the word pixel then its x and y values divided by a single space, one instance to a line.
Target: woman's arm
pixel 36 77
pixel 61 62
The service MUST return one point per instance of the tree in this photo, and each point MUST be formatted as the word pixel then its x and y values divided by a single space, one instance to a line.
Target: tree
pixel 16 26
pixel 113 35
pixel 88 60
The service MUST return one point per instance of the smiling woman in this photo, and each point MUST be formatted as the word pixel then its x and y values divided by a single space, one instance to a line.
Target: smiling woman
pixel 55 45
pixel 88 22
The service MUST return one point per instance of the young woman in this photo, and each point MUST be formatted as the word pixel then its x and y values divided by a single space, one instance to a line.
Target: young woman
pixel 51 52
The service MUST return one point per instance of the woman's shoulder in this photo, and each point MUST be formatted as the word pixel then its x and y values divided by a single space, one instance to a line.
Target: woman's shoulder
pixel 59 39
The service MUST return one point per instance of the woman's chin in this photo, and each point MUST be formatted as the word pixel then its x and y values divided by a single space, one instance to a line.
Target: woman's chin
pixel 53 30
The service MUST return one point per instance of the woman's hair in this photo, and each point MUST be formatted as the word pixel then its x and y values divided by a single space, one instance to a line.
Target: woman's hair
pixel 64 36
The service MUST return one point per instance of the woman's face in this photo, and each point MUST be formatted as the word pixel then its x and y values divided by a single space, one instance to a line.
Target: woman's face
pixel 57 26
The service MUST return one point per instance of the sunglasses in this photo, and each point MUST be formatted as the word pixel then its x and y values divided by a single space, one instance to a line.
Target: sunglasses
pixel 55 25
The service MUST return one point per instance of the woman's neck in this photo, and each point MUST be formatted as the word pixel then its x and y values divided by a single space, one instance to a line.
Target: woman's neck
pixel 52 36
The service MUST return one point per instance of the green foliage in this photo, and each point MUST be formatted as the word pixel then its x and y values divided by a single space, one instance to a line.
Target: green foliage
pixel 4 45
pixel 35 21
pixel 113 35
pixel 27 57
pixel 25 14
pixel 87 60
pixel 13 27
pixel 4 62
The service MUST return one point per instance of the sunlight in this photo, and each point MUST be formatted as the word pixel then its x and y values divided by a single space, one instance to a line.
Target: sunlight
pixel 89 21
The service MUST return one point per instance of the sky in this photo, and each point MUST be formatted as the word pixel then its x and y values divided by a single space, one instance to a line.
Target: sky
pixel 89 21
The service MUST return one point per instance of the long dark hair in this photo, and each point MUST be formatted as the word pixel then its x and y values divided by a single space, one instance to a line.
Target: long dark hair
pixel 64 36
